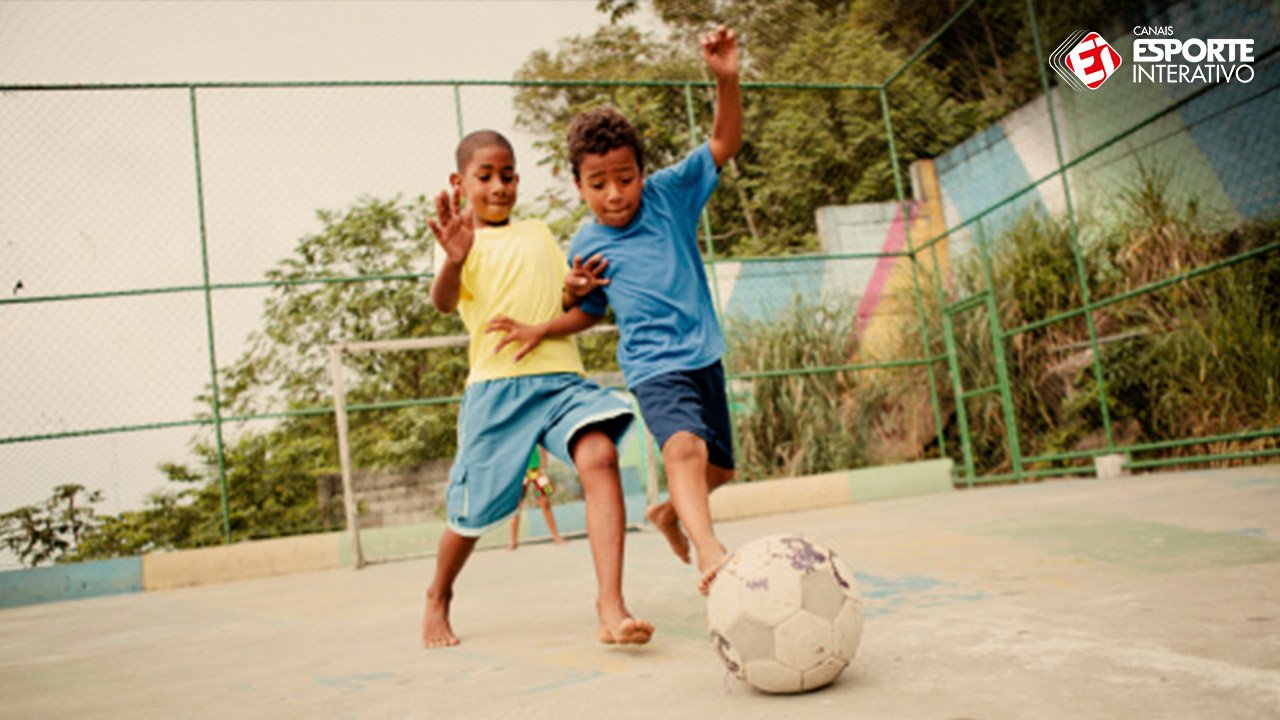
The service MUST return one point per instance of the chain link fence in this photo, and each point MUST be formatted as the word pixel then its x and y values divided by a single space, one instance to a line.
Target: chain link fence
pixel 934 247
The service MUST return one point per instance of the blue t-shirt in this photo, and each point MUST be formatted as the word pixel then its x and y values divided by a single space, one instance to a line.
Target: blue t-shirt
pixel 657 284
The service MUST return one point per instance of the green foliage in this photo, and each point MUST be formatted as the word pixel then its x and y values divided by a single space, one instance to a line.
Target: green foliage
pixel 620 52
pixel 797 424
pixel 801 150
pixel 272 474
pixel 1197 358
pixel 288 360
pixel 50 531
pixel 986 59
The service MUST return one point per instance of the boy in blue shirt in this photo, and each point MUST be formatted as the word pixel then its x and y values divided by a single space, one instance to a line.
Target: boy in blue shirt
pixel 644 244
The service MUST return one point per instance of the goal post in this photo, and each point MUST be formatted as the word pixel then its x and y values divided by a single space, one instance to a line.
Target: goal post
pixel 646 459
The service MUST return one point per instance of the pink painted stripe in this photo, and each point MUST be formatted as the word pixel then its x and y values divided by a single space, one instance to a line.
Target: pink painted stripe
pixel 894 241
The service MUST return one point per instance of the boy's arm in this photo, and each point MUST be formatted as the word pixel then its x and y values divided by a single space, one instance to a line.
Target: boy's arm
pixel 720 52
pixel 528 336
pixel 455 231
pixel 446 287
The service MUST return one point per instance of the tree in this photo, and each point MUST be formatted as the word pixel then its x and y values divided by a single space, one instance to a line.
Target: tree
pixel 288 359
pixel 272 474
pixel 802 148
pixel 50 531
pixel 617 53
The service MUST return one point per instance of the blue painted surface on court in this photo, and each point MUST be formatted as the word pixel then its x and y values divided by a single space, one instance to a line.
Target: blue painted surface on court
pixel 884 595
pixel 73 581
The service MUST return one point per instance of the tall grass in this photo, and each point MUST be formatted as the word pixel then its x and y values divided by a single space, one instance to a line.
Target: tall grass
pixel 796 424
pixel 1197 358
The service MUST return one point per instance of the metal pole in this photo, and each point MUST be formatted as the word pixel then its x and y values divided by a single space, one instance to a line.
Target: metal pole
pixel 344 453
pixel 457 108
pixel 208 320
pixel 1002 370
pixel 1081 280
pixel 915 275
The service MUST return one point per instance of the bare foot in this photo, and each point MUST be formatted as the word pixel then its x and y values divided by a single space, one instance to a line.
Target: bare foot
pixel 710 567
pixel 619 628
pixel 558 540
pixel 664 518
pixel 513 545
pixel 436 632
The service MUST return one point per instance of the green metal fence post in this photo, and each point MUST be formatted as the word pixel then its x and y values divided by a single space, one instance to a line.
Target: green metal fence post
pixel 1002 368
pixel 208 319
pixel 915 275
pixel 1081 280
pixel 957 388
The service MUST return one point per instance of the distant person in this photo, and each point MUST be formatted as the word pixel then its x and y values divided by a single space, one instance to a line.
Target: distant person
pixel 526 385
pixel 670 346
pixel 539 485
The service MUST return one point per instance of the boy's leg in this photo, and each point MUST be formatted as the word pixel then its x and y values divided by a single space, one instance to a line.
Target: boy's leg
pixel 550 517
pixel 453 554
pixel 515 527
pixel 685 457
pixel 664 518
pixel 596 459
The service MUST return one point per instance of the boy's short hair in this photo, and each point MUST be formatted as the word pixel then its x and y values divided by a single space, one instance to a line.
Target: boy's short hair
pixel 477 140
pixel 596 132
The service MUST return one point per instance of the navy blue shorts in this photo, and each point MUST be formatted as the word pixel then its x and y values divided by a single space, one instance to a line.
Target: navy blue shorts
pixel 693 401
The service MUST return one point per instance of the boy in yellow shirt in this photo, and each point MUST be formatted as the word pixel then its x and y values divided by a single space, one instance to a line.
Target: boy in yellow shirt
pixel 526 387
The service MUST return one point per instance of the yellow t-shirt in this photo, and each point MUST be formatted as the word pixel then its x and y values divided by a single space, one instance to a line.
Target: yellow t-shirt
pixel 517 271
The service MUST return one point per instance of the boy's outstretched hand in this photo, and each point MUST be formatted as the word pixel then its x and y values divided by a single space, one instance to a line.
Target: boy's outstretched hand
pixel 528 336
pixel 583 278
pixel 454 228
pixel 720 52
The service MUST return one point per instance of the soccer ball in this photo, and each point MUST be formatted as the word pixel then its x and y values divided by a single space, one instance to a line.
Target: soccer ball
pixel 785 614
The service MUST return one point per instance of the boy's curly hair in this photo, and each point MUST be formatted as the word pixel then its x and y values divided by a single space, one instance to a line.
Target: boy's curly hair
pixel 596 132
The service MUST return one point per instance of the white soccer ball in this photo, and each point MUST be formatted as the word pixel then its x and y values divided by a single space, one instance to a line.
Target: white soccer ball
pixel 785 614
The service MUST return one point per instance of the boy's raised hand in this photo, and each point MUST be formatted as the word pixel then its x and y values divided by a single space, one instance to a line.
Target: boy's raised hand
pixel 720 52
pixel 528 336
pixel 585 277
pixel 454 228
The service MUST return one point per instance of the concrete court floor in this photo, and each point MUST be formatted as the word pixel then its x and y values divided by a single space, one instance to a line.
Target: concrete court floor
pixel 1149 597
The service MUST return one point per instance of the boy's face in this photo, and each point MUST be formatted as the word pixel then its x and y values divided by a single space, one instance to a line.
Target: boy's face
pixel 489 184
pixel 611 185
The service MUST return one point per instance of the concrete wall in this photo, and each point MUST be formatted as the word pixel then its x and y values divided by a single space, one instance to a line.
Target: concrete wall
pixel 1220 149
pixel 326 551
pixel 386 497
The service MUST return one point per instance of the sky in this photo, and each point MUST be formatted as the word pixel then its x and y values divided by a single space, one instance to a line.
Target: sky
pixel 97 189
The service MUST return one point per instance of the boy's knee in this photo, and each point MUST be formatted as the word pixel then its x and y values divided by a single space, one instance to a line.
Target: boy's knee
pixel 684 447
pixel 594 451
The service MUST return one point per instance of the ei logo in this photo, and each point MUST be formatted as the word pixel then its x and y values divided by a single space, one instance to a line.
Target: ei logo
pixel 1085 61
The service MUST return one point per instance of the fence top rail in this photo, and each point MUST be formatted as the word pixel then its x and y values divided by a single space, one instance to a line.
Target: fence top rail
pixel 275 84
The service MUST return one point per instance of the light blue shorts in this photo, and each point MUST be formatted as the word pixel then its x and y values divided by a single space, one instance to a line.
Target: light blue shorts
pixel 499 424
